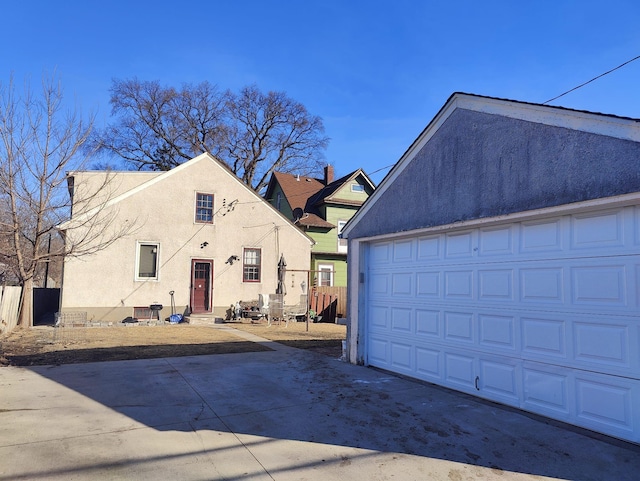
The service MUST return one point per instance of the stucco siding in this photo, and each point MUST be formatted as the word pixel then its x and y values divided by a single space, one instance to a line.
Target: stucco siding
pixel 483 165
pixel 163 213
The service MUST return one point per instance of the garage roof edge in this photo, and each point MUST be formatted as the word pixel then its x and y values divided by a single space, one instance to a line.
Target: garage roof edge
pixel 597 123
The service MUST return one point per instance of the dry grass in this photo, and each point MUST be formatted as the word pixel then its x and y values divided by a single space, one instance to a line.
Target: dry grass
pixel 48 345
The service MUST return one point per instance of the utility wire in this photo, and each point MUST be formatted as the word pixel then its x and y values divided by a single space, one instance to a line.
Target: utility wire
pixel 589 81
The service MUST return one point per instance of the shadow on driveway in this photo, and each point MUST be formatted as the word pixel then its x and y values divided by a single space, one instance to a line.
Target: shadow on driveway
pixel 284 395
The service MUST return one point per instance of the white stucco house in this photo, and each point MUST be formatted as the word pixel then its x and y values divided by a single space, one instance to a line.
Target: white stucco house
pixel 195 231
pixel 501 257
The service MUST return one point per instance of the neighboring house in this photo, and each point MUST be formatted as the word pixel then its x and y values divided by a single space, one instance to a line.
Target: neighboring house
pixel 197 231
pixel 501 257
pixel 321 208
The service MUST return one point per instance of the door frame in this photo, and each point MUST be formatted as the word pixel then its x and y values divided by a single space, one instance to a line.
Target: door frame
pixel 210 288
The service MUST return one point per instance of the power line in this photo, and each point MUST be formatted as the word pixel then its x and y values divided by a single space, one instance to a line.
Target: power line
pixel 381 169
pixel 589 81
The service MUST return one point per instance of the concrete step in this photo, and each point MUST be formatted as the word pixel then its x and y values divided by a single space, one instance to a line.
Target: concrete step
pixel 203 320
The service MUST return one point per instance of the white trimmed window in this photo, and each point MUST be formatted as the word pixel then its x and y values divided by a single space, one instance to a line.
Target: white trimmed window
pixel 251 260
pixel 325 275
pixel 342 243
pixel 204 208
pixel 147 261
pixel 357 188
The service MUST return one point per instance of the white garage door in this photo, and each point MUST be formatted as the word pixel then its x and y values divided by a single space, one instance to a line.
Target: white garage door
pixel 541 315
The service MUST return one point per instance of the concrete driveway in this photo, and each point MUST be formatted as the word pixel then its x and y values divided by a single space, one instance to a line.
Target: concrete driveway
pixel 286 414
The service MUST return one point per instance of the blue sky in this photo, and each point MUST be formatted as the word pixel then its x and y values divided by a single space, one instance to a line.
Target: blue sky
pixel 375 71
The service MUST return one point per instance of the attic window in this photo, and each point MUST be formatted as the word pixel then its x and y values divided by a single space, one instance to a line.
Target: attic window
pixel 357 188
pixel 204 208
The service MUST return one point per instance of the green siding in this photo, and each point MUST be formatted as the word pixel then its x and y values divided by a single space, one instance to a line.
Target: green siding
pixel 339 268
pixel 325 250
pixel 324 241
pixel 285 208
pixel 327 241
pixel 345 193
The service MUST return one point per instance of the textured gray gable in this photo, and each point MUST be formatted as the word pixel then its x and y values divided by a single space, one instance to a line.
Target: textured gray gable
pixel 481 165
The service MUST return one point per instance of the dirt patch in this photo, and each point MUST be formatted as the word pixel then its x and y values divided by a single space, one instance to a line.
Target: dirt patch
pixel 49 345
pixel 324 338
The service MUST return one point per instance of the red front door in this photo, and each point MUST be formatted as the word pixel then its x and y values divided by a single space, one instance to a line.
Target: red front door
pixel 201 285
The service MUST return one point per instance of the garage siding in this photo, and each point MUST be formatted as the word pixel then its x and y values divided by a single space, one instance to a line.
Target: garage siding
pixel 541 315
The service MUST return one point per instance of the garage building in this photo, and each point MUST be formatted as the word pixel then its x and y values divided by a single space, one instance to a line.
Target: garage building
pixel 501 257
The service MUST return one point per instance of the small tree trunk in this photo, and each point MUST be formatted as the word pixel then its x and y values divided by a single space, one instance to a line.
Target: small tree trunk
pixel 26 305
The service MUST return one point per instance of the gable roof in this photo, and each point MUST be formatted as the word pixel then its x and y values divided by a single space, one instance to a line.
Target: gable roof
pixel 168 174
pixel 307 194
pixel 578 120
pixel 328 194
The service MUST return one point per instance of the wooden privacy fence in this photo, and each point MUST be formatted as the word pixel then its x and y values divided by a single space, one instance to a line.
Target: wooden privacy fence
pixel 329 302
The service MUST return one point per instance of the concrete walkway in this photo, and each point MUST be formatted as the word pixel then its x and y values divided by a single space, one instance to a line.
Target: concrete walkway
pixel 286 414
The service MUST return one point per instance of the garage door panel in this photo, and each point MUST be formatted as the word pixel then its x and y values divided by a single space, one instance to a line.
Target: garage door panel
pixel 401 356
pixel 499 380
pixel 458 285
pixel 402 284
pixel 459 327
pixel 428 323
pixel 541 236
pixel 546 390
pixel 543 315
pixel 599 285
pixel 542 284
pixel 459 245
pixel 401 320
pixel 429 362
pixel 497 331
pixel 544 337
pixel 496 284
pixel 460 371
pixel 381 253
pixel 403 251
pixel 428 285
pixel 428 248
pixel 605 404
pixel 380 284
pixel 599 230
pixel 496 241
pixel 636 225
pixel 379 352
pixel 379 317
pixel 602 344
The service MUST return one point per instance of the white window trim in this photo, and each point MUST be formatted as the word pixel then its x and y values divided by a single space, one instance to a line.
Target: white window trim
pixel 340 227
pixel 260 273
pixel 360 188
pixel 326 267
pixel 137 266
pixel 195 208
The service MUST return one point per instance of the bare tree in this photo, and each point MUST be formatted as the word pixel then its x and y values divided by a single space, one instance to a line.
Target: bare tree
pixel 39 142
pixel 271 132
pixel 159 127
